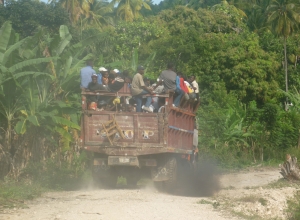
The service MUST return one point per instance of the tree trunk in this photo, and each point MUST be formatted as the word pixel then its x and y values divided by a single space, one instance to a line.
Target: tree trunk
pixel 261 154
pixel 5 162
pixel 298 145
pixel 286 106
pixel 285 66
pixel 8 135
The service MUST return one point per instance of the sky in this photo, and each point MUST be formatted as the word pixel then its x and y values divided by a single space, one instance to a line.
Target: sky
pixel 156 1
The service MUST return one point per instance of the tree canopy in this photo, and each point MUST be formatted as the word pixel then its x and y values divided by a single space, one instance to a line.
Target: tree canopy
pixel 237 49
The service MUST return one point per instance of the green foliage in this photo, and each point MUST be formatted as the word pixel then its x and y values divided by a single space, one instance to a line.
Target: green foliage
pixel 225 44
pixel 13 194
pixel 293 209
pixel 27 15
pixel 135 35
pixel 58 175
pixel 128 10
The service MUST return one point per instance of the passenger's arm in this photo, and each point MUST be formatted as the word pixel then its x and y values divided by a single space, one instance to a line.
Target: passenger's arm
pixel 148 89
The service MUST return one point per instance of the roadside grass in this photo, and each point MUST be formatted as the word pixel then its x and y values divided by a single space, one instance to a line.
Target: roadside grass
pixel 38 178
pixel 13 194
pixel 215 204
pixel 293 209
pixel 281 183
pixel 253 199
pixel 247 217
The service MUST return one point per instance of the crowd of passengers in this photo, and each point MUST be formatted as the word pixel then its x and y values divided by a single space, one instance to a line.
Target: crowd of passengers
pixel 142 89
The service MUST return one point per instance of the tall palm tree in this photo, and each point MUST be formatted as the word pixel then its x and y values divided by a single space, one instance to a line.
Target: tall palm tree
pixel 75 8
pixel 99 14
pixel 257 16
pixel 284 20
pixel 130 9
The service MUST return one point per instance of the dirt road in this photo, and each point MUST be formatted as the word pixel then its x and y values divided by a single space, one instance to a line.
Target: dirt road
pixel 242 194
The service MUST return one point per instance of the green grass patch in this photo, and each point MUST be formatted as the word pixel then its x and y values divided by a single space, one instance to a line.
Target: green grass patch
pixel 215 204
pixel 282 183
pixel 37 178
pixel 13 194
pixel 247 217
pixel 293 209
pixel 253 199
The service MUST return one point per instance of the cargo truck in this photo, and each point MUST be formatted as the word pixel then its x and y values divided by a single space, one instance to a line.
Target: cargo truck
pixel 131 144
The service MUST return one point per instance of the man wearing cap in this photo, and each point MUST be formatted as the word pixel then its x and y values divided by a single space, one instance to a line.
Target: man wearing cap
pixel 116 71
pixel 86 75
pixel 94 86
pixel 102 71
pixel 138 89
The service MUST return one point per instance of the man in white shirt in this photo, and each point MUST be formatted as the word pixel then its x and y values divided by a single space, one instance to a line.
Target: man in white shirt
pixel 195 86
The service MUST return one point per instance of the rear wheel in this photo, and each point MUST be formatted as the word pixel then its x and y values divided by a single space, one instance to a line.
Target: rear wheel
pixel 171 183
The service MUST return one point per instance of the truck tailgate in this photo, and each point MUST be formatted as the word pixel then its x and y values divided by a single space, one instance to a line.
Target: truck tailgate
pixel 139 130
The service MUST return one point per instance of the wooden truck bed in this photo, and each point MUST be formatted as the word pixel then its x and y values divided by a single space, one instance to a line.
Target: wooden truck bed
pixel 143 133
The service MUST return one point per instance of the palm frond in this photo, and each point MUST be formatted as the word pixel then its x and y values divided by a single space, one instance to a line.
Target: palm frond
pixel 5 32
pixel 31 62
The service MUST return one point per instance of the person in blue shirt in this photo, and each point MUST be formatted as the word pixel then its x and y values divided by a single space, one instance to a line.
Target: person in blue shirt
pixel 86 74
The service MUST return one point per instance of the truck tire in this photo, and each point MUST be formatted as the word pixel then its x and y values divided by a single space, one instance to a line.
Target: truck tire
pixel 171 183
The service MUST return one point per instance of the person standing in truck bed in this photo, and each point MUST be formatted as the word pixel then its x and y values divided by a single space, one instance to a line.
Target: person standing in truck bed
pixel 138 89
pixel 86 75
pixel 168 78
pixel 195 86
pixel 94 86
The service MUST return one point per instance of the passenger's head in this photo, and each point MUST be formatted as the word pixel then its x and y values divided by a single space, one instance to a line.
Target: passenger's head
pixel 171 66
pixel 147 81
pixel 94 78
pixel 105 75
pixel 141 69
pixel 192 78
pixel 116 71
pixel 111 77
pixel 89 63
pixel 102 70
pixel 180 74
pixel 126 73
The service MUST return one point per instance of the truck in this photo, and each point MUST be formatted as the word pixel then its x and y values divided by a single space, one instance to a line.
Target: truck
pixel 135 144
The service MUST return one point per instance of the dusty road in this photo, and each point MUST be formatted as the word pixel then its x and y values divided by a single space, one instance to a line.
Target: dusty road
pixel 147 203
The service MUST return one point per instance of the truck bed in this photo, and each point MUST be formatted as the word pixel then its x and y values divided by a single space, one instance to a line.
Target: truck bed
pixel 143 133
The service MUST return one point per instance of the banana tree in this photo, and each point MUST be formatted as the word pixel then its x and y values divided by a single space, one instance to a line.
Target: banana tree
pixel 13 68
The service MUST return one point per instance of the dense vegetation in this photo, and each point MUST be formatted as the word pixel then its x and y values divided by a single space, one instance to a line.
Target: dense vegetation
pixel 244 53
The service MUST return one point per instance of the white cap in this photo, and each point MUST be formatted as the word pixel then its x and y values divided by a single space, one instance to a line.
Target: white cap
pixel 102 69
pixel 116 70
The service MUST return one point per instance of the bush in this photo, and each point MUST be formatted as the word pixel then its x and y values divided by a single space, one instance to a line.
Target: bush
pixel 53 174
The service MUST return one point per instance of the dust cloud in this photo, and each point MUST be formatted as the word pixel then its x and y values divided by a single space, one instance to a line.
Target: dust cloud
pixel 203 180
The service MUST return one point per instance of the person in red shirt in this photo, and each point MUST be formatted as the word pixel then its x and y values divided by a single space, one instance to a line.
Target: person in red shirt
pixel 184 88
pixel 182 84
